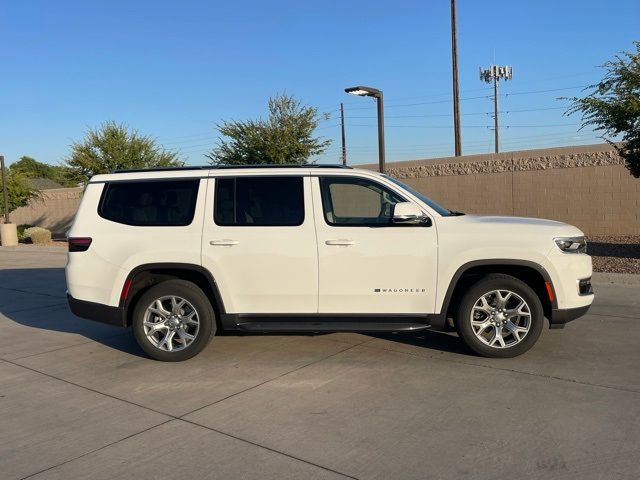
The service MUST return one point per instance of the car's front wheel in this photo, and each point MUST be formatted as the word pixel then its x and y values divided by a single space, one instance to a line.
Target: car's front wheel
pixel 173 321
pixel 500 316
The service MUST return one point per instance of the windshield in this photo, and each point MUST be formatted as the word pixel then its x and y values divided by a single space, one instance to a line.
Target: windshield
pixel 437 207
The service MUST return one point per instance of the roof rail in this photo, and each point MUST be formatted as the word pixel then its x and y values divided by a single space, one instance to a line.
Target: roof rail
pixel 228 167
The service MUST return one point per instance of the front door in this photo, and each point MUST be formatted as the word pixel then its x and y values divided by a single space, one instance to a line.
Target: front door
pixel 259 243
pixel 367 264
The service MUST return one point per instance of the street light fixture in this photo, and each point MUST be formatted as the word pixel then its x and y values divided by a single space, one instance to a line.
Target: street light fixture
pixel 377 94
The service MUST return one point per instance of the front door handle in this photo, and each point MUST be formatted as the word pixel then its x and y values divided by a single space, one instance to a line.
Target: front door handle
pixel 341 242
pixel 224 243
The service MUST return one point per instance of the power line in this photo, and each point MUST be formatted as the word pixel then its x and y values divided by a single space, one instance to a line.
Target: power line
pixel 471 126
pixel 433 115
pixel 476 146
pixel 568 133
pixel 531 92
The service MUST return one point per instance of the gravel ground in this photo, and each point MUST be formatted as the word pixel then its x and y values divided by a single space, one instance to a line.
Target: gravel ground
pixel 615 254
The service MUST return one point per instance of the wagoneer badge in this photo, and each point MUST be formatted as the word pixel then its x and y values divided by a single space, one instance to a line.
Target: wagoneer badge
pixel 399 290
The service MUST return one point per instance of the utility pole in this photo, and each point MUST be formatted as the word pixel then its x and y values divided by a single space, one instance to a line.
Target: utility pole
pixel 496 127
pixel 456 97
pixel 344 146
pixel 493 74
pixel 5 196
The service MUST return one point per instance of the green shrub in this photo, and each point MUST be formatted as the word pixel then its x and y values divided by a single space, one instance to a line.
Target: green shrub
pixel 38 235
pixel 21 229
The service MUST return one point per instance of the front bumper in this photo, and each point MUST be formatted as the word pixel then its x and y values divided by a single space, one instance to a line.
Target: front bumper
pixel 561 316
pixel 98 312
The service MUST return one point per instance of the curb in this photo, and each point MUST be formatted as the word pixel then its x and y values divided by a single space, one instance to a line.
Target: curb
pixel 33 249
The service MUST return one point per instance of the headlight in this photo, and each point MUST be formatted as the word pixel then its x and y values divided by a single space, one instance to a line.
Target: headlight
pixel 572 244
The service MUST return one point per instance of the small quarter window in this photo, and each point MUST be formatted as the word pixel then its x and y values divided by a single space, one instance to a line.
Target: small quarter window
pixel 150 203
pixel 259 201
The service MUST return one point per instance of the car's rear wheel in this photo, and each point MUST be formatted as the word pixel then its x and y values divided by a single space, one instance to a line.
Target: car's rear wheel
pixel 500 316
pixel 173 321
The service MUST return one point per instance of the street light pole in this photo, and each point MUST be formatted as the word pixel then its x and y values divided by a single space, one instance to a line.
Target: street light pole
pixel 377 94
pixel 381 153
pixel 344 145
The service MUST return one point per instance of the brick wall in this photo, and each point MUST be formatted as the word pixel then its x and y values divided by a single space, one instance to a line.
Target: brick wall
pixel 54 209
pixel 587 186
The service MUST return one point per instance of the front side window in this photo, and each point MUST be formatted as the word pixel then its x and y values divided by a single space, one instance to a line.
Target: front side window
pixel 150 203
pixel 352 201
pixel 259 201
pixel 432 203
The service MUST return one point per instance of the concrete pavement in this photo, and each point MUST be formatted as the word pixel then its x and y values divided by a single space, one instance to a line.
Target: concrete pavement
pixel 79 400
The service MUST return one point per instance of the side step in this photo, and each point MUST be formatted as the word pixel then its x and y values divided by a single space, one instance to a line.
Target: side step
pixel 333 324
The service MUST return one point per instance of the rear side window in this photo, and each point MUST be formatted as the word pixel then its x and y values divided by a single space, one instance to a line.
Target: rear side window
pixel 153 203
pixel 259 201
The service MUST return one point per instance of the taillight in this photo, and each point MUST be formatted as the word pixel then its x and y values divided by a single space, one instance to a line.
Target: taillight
pixel 79 244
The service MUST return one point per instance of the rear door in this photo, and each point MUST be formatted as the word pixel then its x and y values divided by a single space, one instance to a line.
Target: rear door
pixel 259 243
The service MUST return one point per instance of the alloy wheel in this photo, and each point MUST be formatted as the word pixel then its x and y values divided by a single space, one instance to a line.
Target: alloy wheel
pixel 500 318
pixel 171 323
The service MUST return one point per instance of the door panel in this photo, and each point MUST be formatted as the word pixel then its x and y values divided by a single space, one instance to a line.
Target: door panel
pixel 366 264
pixel 262 260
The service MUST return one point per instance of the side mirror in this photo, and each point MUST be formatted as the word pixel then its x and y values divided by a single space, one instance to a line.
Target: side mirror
pixel 409 213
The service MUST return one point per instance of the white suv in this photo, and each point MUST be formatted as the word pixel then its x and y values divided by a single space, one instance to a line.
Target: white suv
pixel 181 253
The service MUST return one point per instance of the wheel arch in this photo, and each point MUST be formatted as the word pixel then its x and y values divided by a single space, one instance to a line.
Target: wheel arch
pixel 533 274
pixel 143 277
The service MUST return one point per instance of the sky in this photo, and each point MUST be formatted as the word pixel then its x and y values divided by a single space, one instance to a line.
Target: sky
pixel 174 70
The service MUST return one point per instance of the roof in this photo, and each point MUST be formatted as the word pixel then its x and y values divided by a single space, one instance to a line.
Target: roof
pixel 43 184
pixel 231 167
pixel 222 170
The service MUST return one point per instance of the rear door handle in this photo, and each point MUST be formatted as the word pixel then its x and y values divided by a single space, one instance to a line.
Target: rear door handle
pixel 224 243
pixel 341 242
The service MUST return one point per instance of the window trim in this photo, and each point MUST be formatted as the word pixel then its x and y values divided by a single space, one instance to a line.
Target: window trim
pixel 270 225
pixel 196 180
pixel 326 195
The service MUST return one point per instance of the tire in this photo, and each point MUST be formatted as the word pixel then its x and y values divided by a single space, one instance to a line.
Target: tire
pixel 500 314
pixel 183 310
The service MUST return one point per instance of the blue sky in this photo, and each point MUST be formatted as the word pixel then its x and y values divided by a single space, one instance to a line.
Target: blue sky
pixel 174 69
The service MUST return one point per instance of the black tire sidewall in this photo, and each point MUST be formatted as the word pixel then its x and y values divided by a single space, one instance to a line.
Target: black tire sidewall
pixel 194 295
pixel 499 282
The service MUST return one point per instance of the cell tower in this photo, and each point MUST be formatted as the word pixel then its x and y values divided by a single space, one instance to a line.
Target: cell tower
pixel 493 74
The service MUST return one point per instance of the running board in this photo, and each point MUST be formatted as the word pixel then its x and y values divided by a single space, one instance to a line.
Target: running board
pixel 329 325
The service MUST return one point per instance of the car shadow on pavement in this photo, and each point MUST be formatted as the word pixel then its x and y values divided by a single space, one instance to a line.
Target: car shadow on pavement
pixel 431 340
pixel 36 298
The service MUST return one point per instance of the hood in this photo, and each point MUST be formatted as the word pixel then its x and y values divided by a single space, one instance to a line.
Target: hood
pixel 502 220
pixel 505 224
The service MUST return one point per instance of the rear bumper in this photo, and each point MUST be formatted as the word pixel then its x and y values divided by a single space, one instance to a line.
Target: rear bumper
pixel 561 316
pixel 98 312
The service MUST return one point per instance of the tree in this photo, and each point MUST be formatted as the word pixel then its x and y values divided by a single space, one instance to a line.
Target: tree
pixel 31 168
pixel 19 192
pixel 613 106
pixel 286 136
pixel 115 146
